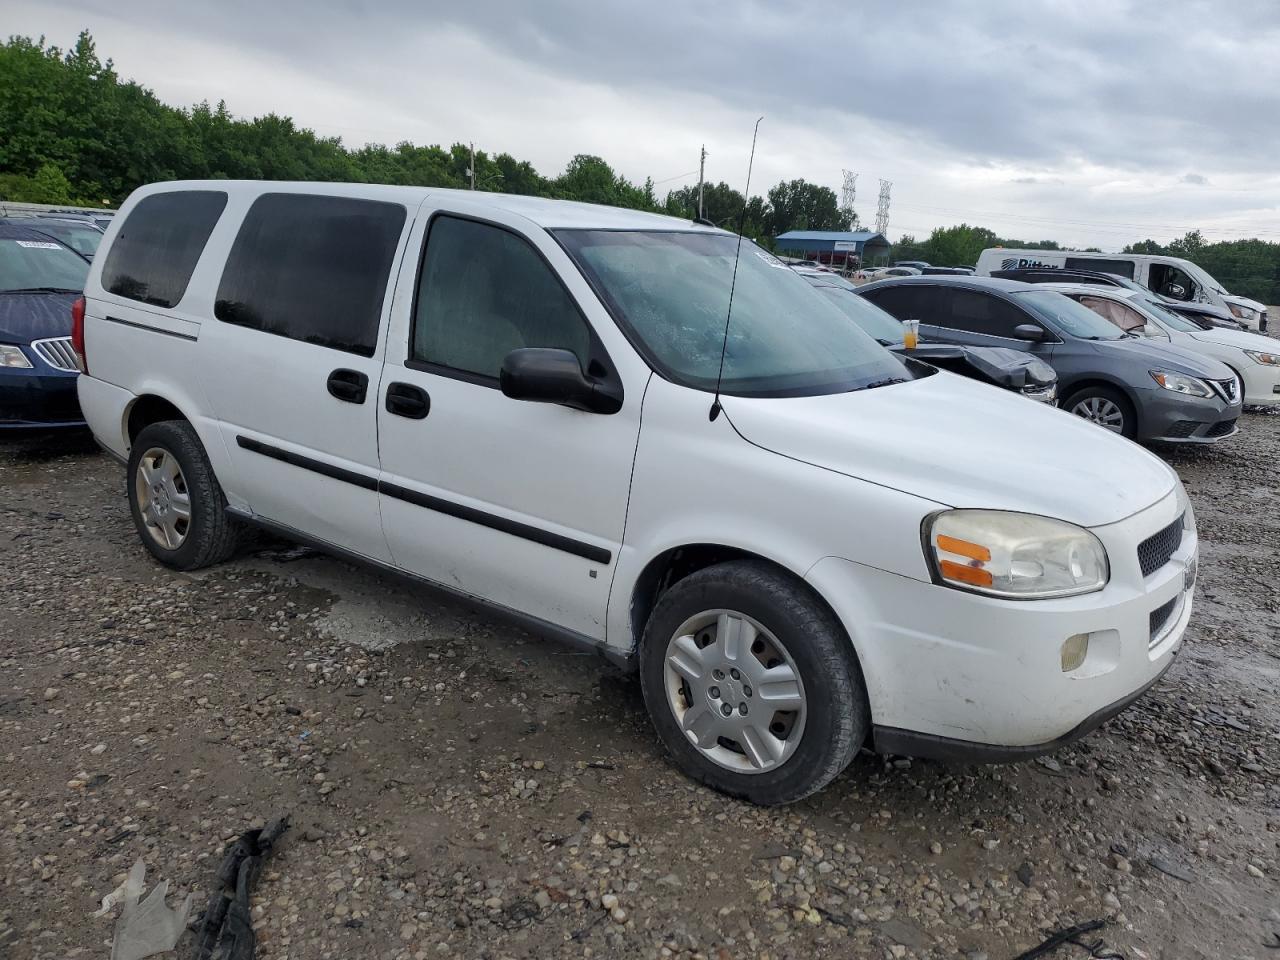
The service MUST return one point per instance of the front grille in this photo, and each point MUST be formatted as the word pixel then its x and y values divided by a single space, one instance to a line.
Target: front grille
pixel 57 352
pixel 1160 617
pixel 1229 389
pixel 1155 551
pixel 1182 429
pixel 1221 429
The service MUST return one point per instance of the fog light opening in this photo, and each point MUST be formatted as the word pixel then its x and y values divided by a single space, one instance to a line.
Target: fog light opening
pixel 1074 649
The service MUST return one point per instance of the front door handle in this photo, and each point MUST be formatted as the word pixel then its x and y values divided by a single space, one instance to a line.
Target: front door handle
pixel 350 386
pixel 406 400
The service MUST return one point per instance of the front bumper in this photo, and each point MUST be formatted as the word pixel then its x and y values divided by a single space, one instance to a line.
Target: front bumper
pixel 979 676
pixel 40 398
pixel 1175 418
pixel 1261 384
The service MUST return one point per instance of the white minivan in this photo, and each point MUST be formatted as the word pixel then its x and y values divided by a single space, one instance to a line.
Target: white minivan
pixel 1171 277
pixel 801 541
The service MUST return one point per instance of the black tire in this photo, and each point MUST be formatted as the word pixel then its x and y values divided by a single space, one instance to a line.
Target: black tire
pixel 1129 429
pixel 211 536
pixel 837 714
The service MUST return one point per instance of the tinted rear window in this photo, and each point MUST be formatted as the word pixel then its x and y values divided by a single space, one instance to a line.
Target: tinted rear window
pixel 1121 268
pixel 312 268
pixel 159 243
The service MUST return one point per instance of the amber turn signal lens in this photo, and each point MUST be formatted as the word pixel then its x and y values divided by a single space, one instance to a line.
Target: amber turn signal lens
pixel 965 574
pixel 963 548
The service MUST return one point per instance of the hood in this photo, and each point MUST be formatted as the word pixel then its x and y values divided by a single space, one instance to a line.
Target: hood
pixel 1238 338
pixel 33 316
pixel 1159 355
pixel 963 444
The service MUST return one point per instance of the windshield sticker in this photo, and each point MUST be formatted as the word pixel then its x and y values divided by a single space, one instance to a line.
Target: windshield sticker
pixel 770 259
pixel 37 244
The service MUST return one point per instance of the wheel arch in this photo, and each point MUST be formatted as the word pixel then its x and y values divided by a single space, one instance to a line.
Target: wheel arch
pixel 673 564
pixel 146 409
pixel 1099 380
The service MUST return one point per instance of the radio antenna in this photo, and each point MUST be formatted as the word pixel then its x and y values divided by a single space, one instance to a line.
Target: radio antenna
pixel 742 219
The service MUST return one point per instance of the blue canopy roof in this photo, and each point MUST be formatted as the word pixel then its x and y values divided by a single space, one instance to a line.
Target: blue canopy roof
pixel 856 236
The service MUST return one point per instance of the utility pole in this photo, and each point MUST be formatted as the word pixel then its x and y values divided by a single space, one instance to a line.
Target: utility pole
pixel 702 167
pixel 472 171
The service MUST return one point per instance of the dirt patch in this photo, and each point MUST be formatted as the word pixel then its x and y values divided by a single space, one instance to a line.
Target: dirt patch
pixel 459 788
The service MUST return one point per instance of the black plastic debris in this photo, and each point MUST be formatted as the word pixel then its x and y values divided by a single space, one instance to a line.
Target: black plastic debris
pixel 1072 935
pixel 226 933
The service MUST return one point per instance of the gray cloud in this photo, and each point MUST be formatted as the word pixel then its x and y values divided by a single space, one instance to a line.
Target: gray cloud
pixel 1077 121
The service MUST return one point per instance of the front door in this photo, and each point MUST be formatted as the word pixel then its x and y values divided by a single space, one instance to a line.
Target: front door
pixel 517 502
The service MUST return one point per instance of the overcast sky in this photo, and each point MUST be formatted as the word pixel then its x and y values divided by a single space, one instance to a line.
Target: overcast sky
pixel 1095 123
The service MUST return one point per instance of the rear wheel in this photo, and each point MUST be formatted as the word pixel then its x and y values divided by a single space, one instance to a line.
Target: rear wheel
pixel 176 501
pixel 752 684
pixel 1106 407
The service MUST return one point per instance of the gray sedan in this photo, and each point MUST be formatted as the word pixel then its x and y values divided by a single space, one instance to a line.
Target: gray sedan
pixel 1139 388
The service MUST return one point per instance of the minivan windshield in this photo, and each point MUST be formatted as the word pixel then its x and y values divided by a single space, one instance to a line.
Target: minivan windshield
pixel 40 266
pixel 1068 316
pixel 670 292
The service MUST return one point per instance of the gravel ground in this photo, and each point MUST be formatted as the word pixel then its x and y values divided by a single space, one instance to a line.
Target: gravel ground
pixel 461 789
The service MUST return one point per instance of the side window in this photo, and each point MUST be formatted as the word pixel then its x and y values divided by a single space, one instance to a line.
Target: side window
pixel 484 291
pixel 982 313
pixel 1123 316
pixel 913 302
pixel 1121 268
pixel 158 245
pixel 312 268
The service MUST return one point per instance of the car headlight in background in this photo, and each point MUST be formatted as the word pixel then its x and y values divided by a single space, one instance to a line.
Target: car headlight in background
pixel 1178 383
pixel 1017 555
pixel 1270 359
pixel 1243 312
pixel 12 356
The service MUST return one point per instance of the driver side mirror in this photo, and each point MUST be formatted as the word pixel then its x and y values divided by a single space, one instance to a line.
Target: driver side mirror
pixel 1176 290
pixel 1029 332
pixel 549 375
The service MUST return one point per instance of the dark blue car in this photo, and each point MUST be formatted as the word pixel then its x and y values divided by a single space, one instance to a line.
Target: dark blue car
pixel 40 278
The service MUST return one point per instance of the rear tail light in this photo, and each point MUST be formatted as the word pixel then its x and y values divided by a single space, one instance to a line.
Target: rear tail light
pixel 77 333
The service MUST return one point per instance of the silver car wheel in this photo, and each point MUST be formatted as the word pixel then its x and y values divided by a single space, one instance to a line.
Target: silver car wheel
pixel 735 691
pixel 164 502
pixel 1103 412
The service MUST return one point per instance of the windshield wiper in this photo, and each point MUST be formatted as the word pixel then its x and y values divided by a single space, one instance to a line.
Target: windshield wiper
pixel 41 290
pixel 886 382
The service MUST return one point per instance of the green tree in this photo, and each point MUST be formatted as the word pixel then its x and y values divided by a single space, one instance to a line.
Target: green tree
pixel 801 205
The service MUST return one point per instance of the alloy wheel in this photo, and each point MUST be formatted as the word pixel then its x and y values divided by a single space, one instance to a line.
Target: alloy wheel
pixel 735 691
pixel 1103 412
pixel 164 503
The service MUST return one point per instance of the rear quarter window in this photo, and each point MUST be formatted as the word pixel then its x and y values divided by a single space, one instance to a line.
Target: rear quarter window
pixel 158 245
pixel 312 268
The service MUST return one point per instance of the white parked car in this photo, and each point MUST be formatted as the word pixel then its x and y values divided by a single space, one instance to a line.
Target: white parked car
pixel 514 400
pixel 880 273
pixel 1253 358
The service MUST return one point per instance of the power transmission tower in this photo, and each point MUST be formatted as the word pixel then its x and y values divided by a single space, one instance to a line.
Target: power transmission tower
pixel 702 166
pixel 848 195
pixel 882 211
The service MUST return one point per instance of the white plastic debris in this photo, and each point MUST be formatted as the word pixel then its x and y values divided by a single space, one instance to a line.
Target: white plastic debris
pixel 148 927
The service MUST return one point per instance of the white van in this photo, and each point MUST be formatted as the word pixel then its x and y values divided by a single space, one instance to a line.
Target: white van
pixel 514 400
pixel 1169 276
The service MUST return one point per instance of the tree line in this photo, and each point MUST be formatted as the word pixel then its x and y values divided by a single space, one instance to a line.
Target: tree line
pixel 75 132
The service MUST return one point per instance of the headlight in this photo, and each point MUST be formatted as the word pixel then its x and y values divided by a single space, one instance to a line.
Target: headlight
pixel 1270 359
pixel 11 356
pixel 1178 383
pixel 1243 312
pixel 1015 555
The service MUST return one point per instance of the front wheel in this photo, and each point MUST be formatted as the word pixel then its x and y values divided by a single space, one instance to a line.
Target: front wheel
pixel 1108 408
pixel 752 684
